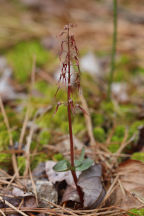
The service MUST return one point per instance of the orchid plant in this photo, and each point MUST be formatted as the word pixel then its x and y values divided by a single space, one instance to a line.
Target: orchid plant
pixel 70 76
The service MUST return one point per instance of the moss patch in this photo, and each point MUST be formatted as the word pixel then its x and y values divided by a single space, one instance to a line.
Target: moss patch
pixel 99 134
pixel 21 57
pixel 138 212
pixel 118 134
pixel 138 156
pixel 113 147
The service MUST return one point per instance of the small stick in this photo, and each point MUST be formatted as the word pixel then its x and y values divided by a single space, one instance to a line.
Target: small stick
pixel 32 128
pixel 33 185
pixel 13 207
pixel 14 161
pixel 27 152
pixel 2 212
pixel 24 128
pixel 58 206
pixel 111 188
pixel 88 120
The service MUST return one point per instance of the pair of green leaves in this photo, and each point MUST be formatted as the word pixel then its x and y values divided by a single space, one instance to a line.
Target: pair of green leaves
pixel 80 165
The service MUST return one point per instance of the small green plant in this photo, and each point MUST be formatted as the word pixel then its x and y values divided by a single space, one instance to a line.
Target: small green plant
pixel 70 61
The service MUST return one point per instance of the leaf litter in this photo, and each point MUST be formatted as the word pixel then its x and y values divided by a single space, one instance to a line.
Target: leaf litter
pixel 129 192
pixel 91 185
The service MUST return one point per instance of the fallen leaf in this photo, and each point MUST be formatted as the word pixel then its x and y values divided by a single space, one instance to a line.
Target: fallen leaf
pixel 91 185
pixel 129 192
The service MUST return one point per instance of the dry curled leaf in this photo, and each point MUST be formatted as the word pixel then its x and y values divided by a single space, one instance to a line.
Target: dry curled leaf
pixel 91 185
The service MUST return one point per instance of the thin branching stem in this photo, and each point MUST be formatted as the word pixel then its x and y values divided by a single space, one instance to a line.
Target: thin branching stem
pixel 113 55
pixel 70 122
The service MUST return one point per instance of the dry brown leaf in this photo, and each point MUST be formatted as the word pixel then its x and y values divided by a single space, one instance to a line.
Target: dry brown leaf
pixel 129 192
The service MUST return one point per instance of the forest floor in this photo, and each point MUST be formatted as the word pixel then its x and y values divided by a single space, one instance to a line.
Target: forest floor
pixel 33 137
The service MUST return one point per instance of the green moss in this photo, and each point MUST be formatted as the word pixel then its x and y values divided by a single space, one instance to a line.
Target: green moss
pixel 124 59
pixel 113 147
pixel 107 107
pixel 4 157
pixel 44 137
pixel 78 124
pixel 21 161
pixel 127 112
pixel 5 161
pixel 120 75
pixel 118 134
pixel 138 156
pixel 99 134
pixel 41 86
pixel 97 119
pixel 61 115
pixel 102 53
pixel 4 140
pixel 122 70
pixel 141 70
pixel 42 157
pixel 86 76
pixel 58 157
pixel 134 128
pixel 78 127
pixel 21 56
pixel 138 212
pixel 64 127
pixel 59 121
pixel 45 121
pixel 48 92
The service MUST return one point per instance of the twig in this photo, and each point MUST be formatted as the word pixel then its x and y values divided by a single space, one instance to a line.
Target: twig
pixel 14 162
pixel 33 185
pixel 110 135
pixel 58 206
pixel 7 182
pixel 110 190
pixel 88 120
pixel 2 212
pixel 24 128
pixel 122 188
pixel 28 144
pixel 13 207
pixel 32 128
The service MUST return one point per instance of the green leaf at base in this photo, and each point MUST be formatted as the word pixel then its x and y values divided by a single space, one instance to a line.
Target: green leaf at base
pixel 62 166
pixel 81 159
pixel 85 165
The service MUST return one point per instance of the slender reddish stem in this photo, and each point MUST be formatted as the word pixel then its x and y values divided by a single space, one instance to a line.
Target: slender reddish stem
pixel 70 125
